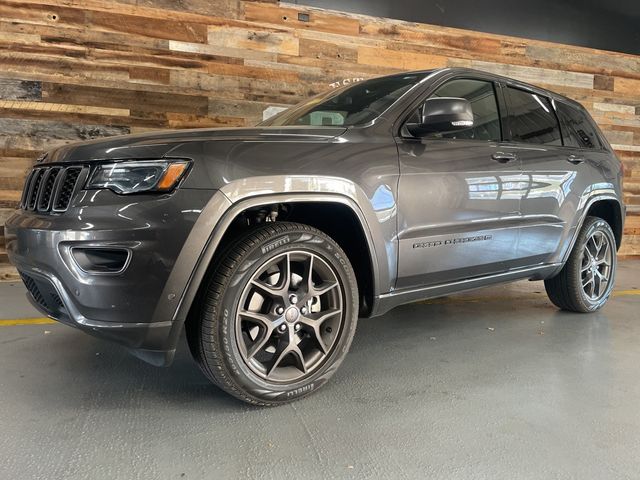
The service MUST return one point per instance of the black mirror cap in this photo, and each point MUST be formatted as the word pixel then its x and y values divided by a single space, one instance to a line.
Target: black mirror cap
pixel 443 115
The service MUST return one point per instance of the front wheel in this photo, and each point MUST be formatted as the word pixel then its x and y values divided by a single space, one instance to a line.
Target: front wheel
pixel 277 316
pixel 585 282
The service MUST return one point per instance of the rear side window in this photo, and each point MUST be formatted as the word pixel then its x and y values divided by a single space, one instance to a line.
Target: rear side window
pixel 531 118
pixel 576 128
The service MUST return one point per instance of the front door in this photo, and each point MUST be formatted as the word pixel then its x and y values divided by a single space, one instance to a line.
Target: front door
pixel 458 196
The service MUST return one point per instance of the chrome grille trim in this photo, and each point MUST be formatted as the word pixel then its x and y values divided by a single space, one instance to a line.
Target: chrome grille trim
pixel 50 189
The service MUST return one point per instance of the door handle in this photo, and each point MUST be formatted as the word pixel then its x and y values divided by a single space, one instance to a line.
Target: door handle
pixel 575 159
pixel 504 157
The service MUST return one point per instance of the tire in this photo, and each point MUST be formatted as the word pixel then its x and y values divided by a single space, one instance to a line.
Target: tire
pixel 240 353
pixel 566 290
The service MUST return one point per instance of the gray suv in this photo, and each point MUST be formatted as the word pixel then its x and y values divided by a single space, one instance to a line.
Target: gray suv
pixel 266 244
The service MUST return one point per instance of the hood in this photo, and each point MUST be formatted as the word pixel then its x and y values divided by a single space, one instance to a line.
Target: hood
pixel 161 143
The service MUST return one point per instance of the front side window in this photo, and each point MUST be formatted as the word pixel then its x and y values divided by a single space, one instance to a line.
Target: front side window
pixel 531 118
pixel 354 105
pixel 577 130
pixel 481 95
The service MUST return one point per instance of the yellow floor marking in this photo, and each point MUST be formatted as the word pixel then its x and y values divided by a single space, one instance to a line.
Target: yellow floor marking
pixel 622 293
pixel 26 321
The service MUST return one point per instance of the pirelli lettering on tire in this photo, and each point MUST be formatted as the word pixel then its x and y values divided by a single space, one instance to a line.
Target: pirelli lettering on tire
pixel 452 241
pixel 279 242
pixel 300 391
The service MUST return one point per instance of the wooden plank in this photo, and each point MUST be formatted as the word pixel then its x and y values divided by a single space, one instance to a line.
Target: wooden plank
pixel 450 40
pixel 239 88
pixel 626 85
pixel 251 112
pixel 149 75
pixel 10 198
pixel 349 69
pixel 122 99
pixel 533 75
pixel 630 245
pixel 618 137
pixel 263 40
pixel 205 7
pixel 401 60
pixel 5 213
pixel 317 19
pixel 42 135
pixel 14 166
pixel 156 9
pixel 188 47
pixel 584 60
pixel 181 120
pixel 11 183
pixel 14 89
pixel 632 225
pixel 80 36
pixel 42 68
pixel 328 50
pixel 255 69
pixel 8 274
pixel 614 107
pixel 138 119
pixel 109 20
pixel 61 108
pixel 601 82
pixel 148 27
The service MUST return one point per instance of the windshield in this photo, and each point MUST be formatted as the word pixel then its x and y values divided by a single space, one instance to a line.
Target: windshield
pixel 354 105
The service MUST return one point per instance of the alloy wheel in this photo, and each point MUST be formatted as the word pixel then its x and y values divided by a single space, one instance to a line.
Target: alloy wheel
pixel 596 267
pixel 289 316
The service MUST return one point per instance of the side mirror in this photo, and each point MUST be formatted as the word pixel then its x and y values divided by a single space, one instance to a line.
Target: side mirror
pixel 442 115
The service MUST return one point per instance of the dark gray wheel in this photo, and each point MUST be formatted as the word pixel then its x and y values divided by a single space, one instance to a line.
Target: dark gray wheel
pixel 277 316
pixel 585 282
pixel 596 268
pixel 289 316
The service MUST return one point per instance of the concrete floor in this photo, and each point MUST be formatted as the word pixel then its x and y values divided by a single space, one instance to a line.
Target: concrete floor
pixel 492 384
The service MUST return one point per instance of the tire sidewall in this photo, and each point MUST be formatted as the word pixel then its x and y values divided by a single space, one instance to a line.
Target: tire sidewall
pixel 240 373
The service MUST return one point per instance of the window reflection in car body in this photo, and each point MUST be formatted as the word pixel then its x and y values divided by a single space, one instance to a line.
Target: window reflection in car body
pixel 521 186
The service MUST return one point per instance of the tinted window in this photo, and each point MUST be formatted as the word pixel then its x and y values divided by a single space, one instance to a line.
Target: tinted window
pixel 481 95
pixel 576 128
pixel 531 118
pixel 354 105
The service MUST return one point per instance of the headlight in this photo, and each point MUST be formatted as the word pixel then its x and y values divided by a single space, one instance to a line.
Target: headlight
pixel 138 176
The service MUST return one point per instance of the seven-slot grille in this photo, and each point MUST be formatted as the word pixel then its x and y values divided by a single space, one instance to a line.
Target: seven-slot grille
pixel 50 189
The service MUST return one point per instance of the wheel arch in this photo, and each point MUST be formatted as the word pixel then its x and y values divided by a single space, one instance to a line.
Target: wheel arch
pixel 222 234
pixel 608 205
pixel 610 210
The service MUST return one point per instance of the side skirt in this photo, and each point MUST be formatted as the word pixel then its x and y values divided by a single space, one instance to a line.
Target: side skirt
pixel 385 302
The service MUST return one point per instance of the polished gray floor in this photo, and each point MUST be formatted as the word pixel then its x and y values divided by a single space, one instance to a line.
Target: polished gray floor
pixel 493 384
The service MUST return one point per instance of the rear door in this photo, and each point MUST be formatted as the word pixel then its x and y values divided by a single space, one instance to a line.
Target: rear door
pixel 458 195
pixel 550 171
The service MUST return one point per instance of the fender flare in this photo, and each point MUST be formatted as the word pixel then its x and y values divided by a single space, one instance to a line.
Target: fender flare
pixel 587 203
pixel 221 212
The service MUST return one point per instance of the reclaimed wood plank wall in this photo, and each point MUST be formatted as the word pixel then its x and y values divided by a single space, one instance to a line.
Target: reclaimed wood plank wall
pixel 80 69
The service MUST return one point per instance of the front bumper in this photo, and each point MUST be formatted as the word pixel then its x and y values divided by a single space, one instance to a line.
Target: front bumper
pixel 124 306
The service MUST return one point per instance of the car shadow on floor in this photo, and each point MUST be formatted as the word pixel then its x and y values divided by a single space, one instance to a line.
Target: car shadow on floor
pixel 434 334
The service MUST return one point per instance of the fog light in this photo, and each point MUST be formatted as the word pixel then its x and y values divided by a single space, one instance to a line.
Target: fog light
pixel 101 260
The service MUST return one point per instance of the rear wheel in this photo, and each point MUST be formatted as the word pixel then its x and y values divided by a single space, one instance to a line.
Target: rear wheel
pixel 586 281
pixel 277 316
